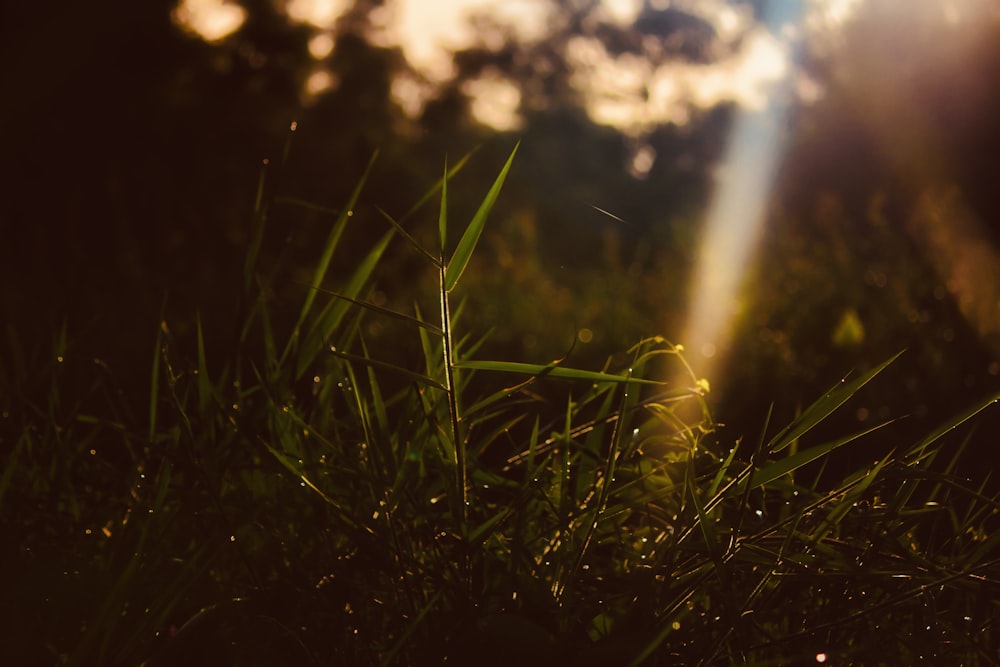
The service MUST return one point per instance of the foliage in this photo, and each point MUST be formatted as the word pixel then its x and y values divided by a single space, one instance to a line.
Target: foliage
pixel 310 499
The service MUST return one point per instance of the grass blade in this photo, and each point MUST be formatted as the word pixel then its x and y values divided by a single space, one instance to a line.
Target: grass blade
pixel 782 467
pixel 822 408
pixel 443 214
pixel 331 244
pixel 549 370
pixel 463 252
pixel 917 451
pixel 331 316
pixel 383 311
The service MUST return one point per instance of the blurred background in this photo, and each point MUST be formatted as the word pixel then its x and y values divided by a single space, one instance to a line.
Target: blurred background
pixel 793 190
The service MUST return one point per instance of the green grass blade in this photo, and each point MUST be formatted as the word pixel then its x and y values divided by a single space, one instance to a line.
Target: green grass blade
pixel 323 328
pixel 782 467
pixel 399 370
pixel 257 234
pixel 204 383
pixel 605 480
pixel 836 513
pixel 463 252
pixel 409 237
pixel 443 214
pixel 331 244
pixel 708 533
pixel 825 406
pixel 437 186
pixel 548 370
pixel 154 383
pixel 384 311
pixel 918 450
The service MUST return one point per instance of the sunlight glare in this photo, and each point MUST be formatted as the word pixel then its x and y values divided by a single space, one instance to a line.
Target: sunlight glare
pixel 622 12
pixel 495 101
pixel 734 218
pixel 429 32
pixel 630 93
pixel 319 13
pixel 211 20
pixel 321 45
pixel 320 81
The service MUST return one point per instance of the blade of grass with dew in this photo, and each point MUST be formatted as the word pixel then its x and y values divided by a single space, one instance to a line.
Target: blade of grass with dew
pixel 548 370
pixel 824 407
pixel 381 416
pixel 840 509
pixel 333 313
pixel 708 534
pixel 782 467
pixel 344 514
pixel 463 252
pixel 459 497
pixel 99 634
pixel 917 451
pixel 921 452
pixel 381 455
pixel 479 410
pixel 324 263
pixel 602 501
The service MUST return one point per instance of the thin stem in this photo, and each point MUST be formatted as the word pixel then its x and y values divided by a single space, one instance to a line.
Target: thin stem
pixel 458 448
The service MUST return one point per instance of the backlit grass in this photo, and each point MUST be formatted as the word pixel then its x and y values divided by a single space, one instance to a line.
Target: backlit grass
pixel 311 500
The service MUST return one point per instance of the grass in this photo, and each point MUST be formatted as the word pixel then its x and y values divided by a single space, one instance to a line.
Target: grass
pixel 311 500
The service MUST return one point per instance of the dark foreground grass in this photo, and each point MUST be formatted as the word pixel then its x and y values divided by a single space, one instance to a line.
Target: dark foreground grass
pixel 305 501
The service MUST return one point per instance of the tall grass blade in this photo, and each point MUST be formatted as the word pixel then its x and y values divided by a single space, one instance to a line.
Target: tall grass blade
pixel 435 261
pixel 331 244
pixel 549 370
pixel 392 368
pixel 782 467
pixel 919 449
pixel 154 384
pixel 457 444
pixel 824 407
pixel 427 196
pixel 381 310
pixel 463 252
pixel 257 234
pixel 443 215
pixel 331 316
pixel 204 382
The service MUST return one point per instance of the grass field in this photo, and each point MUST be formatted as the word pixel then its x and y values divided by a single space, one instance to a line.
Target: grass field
pixel 310 499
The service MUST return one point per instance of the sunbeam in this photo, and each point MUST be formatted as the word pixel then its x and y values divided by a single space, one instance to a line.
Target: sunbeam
pixel 735 216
